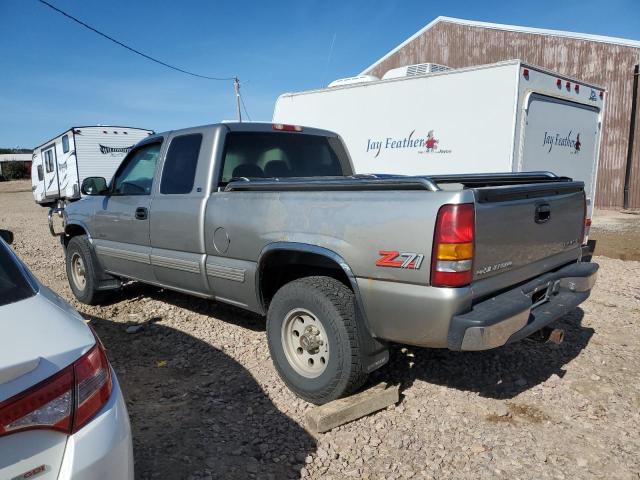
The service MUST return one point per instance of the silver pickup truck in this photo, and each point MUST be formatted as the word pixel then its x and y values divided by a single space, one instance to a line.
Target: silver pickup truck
pixel 271 218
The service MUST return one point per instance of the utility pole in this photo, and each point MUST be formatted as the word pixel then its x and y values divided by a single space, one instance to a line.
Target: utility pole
pixel 236 89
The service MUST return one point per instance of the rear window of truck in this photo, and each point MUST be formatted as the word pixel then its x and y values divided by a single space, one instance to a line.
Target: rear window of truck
pixel 281 155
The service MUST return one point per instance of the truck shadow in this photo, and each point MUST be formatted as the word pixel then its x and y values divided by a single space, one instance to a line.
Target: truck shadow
pixel 196 305
pixel 196 412
pixel 502 373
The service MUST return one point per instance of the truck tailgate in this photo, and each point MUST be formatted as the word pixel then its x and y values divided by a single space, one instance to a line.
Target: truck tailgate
pixel 517 226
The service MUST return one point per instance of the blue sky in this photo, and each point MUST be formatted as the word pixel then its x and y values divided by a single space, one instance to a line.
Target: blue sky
pixel 56 74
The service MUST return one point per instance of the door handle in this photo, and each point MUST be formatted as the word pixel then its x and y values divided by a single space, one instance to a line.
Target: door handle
pixel 543 213
pixel 141 213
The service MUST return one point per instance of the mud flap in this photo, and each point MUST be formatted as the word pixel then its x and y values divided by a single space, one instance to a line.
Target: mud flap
pixel 375 352
pixel 587 251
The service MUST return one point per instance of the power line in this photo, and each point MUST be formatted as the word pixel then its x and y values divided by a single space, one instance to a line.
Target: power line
pixel 148 57
pixel 245 108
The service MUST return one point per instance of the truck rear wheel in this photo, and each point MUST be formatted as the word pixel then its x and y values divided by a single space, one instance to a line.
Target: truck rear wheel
pixel 81 272
pixel 313 339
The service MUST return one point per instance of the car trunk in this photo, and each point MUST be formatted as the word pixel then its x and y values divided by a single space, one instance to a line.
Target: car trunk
pixel 524 230
pixel 41 335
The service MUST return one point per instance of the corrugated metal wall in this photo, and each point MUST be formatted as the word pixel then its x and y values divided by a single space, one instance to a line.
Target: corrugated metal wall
pixel 603 64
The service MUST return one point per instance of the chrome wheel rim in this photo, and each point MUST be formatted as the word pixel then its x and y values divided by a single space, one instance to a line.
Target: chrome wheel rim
pixel 305 343
pixel 78 272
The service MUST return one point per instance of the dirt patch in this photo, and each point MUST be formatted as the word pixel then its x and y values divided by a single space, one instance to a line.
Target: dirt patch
pixel 15 186
pixel 528 413
pixel 617 234
pixel 518 411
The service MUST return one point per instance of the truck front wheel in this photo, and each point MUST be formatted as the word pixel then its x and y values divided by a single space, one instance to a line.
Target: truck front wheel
pixel 81 272
pixel 313 339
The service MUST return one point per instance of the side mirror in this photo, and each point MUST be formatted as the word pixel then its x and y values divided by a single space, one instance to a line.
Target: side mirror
pixel 94 186
pixel 7 236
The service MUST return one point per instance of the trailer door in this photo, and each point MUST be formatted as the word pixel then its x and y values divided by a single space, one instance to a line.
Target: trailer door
pixel 51 185
pixel 561 137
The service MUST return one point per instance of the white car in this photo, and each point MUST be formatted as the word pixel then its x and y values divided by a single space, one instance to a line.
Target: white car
pixel 62 414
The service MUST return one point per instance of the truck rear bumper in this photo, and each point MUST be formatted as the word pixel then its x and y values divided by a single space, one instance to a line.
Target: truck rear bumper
pixel 517 313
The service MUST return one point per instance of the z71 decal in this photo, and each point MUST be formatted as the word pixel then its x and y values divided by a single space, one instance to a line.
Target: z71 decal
pixel 394 259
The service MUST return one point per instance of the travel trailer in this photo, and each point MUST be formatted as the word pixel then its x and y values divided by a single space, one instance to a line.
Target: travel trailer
pixel 430 119
pixel 62 163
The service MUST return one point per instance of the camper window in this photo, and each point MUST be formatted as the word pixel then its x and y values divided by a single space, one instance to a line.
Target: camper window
pixel 40 173
pixel 48 161
pixel 180 164
pixel 65 143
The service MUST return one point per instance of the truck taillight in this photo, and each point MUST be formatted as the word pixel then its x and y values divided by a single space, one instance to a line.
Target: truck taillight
pixel 453 246
pixel 587 223
pixel 64 402
pixel 286 128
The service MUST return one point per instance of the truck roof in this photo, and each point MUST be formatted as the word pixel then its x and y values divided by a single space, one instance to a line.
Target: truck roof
pixel 245 127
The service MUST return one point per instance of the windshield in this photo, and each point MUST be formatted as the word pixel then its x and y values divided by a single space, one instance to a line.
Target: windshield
pixel 278 154
pixel 13 284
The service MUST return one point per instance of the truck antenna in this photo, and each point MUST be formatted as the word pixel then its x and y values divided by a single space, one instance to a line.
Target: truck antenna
pixel 236 89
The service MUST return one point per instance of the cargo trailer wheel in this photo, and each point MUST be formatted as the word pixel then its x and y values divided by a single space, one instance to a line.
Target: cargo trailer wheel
pixel 81 272
pixel 313 339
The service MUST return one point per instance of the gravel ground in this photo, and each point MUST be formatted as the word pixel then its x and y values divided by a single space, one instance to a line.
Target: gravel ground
pixel 205 400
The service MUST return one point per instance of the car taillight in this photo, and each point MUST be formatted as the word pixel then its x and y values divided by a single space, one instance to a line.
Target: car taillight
pixel 46 405
pixel 93 385
pixel 453 245
pixel 64 402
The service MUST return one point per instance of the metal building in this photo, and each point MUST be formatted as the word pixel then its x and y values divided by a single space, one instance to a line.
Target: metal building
pixel 610 62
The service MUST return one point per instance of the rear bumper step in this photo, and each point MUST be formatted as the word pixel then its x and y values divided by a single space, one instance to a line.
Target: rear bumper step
pixel 517 313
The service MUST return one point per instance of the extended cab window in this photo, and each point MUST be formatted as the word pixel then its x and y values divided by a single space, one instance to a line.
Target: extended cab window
pixel 278 154
pixel 179 170
pixel 135 176
pixel 13 284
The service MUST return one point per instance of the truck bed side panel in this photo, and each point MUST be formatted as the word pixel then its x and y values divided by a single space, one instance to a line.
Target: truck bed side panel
pixel 355 225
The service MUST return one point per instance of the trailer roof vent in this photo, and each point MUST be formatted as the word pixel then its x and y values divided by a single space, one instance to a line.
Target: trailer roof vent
pixel 415 70
pixel 353 80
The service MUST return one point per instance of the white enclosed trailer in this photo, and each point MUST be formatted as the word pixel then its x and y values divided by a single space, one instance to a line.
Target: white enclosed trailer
pixel 428 119
pixel 62 163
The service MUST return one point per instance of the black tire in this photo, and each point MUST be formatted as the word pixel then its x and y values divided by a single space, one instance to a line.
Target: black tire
pixel 87 293
pixel 333 305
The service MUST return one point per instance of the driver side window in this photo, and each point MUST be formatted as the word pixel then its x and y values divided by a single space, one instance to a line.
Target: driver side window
pixel 136 175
